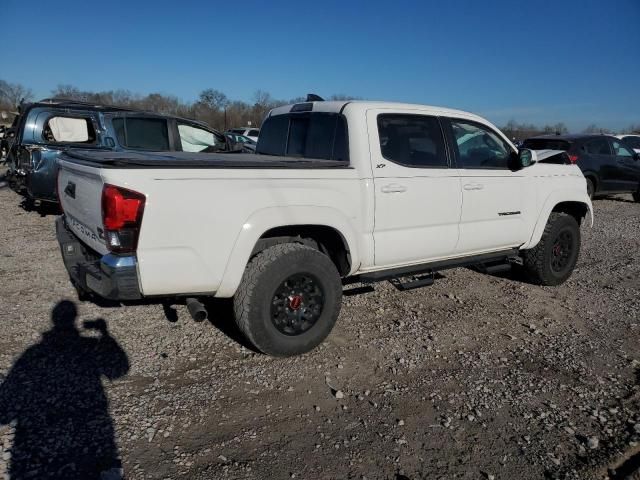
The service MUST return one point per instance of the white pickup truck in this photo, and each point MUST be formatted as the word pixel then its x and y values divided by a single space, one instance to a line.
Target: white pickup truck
pixel 337 193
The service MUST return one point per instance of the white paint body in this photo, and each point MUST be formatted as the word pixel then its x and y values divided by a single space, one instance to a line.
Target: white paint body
pixel 201 225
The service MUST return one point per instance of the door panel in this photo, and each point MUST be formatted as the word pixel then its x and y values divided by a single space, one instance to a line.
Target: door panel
pixel 496 201
pixel 627 168
pixel 417 207
pixel 494 210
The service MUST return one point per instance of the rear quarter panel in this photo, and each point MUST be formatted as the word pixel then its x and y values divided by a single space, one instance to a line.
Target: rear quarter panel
pixel 200 226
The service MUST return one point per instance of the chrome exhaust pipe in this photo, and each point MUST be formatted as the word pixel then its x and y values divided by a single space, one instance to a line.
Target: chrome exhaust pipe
pixel 197 310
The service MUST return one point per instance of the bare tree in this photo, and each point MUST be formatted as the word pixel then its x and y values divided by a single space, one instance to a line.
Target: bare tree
pixel 11 94
pixel 214 99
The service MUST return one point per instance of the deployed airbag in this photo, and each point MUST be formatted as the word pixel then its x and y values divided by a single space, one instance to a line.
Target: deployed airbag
pixel 195 139
pixel 65 129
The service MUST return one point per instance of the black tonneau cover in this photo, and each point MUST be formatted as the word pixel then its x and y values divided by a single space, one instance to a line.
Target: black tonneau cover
pixel 111 159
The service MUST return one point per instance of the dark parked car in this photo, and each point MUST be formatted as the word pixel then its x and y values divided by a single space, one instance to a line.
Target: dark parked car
pixel 48 127
pixel 607 163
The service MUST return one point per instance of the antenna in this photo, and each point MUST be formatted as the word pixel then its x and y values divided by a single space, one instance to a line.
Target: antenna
pixel 312 97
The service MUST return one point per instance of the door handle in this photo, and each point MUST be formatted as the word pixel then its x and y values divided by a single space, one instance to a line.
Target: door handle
pixel 393 188
pixel 473 186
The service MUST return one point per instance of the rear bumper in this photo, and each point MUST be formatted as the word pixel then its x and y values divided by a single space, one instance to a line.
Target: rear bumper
pixel 110 276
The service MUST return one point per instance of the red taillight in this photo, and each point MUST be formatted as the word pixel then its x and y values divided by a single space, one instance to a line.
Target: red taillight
pixel 573 158
pixel 122 211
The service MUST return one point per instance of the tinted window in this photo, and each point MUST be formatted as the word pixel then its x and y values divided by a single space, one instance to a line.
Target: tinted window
pixel 633 142
pixel 478 146
pixel 253 133
pixel 546 144
pixel 620 150
pixel 412 140
pixel 142 133
pixel 306 135
pixel 599 146
pixel 69 130
pixel 273 140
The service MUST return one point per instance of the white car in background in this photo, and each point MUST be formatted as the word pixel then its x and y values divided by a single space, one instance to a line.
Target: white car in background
pixel 632 140
pixel 252 133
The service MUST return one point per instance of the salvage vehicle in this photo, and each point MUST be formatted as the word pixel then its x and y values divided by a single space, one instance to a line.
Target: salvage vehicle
pixel 608 163
pixel 50 126
pixel 631 140
pixel 338 193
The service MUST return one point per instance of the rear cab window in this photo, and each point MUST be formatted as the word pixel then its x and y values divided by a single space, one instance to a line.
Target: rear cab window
pixel 141 133
pixel 316 135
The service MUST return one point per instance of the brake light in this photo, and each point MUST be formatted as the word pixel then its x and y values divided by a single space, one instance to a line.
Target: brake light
pixel 122 211
pixel 573 158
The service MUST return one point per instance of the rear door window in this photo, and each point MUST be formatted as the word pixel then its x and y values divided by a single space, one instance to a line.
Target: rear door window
pixel 61 129
pixel 598 146
pixel 412 140
pixel 142 133
pixel 253 133
pixel 306 135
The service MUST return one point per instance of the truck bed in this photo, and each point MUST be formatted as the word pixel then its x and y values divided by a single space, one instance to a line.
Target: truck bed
pixel 111 159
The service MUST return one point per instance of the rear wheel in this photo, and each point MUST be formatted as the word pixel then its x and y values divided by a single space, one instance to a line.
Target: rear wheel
pixel 590 188
pixel 552 261
pixel 289 299
pixel 636 195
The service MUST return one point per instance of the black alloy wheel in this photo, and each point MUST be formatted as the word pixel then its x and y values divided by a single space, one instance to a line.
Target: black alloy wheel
pixel 297 304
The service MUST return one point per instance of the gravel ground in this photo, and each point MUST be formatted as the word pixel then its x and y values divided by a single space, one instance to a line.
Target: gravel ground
pixel 476 377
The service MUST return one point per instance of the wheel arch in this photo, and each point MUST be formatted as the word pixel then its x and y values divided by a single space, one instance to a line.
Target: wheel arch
pixel 330 232
pixel 573 202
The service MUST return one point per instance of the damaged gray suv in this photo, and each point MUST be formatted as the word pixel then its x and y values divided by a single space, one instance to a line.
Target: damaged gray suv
pixel 46 128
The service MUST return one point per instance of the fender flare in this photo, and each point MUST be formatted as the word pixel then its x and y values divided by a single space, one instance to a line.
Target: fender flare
pixel 555 198
pixel 268 218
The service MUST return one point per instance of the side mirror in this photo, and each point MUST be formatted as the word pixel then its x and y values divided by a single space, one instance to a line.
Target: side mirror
pixel 636 156
pixel 527 157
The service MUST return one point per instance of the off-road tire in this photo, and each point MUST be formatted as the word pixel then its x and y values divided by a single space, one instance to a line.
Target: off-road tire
pixel 264 274
pixel 538 261
pixel 636 195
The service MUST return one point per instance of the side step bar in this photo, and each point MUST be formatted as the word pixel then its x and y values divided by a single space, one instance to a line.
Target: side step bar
pixel 423 275
pixel 496 257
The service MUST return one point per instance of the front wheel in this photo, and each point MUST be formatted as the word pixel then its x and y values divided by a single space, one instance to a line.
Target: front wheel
pixel 636 195
pixel 288 300
pixel 552 261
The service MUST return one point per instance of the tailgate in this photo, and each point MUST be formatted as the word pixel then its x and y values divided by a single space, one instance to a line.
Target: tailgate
pixel 80 192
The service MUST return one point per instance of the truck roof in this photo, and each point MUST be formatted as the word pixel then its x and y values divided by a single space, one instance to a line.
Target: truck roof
pixel 339 106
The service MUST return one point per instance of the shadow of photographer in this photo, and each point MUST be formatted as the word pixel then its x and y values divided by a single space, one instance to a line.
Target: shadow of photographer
pixel 55 402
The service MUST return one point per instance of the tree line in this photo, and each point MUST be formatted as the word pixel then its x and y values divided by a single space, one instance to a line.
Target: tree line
pixel 220 112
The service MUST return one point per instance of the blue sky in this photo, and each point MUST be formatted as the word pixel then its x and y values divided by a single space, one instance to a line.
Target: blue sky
pixel 576 61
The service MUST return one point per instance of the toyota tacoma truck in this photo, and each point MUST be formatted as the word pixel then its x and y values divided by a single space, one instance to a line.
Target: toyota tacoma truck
pixel 337 193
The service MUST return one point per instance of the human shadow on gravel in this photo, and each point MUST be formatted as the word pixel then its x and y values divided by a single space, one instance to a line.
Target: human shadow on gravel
pixel 54 399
